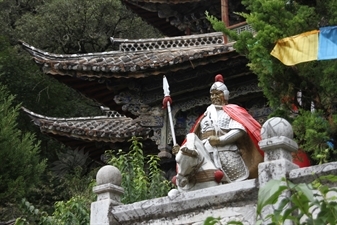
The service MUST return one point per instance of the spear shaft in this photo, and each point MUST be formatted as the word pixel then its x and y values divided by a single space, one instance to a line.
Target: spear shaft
pixel 169 112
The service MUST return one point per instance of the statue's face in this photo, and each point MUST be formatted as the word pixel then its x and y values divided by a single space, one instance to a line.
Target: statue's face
pixel 217 97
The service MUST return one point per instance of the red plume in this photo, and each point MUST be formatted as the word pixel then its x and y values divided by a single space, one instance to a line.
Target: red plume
pixel 219 78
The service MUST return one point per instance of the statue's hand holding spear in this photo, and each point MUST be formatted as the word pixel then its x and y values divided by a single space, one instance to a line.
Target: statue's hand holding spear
pixel 167 101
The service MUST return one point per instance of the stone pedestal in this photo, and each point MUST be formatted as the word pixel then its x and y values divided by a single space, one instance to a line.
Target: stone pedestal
pixel 277 144
pixel 108 192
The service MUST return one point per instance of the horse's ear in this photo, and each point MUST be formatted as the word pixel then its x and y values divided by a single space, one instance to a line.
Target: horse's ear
pixel 190 152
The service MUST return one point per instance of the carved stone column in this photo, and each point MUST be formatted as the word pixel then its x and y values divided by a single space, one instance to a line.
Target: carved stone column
pixel 277 144
pixel 108 192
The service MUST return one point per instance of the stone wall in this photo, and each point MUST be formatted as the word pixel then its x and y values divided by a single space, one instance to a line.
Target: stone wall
pixel 230 202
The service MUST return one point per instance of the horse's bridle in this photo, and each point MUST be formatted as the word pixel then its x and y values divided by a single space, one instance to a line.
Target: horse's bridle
pixel 197 167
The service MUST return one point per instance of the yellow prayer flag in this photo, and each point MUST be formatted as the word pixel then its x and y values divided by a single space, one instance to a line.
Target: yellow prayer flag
pixel 297 49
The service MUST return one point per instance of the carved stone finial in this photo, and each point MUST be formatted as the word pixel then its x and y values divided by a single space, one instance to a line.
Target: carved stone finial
pixel 109 193
pixel 275 127
pixel 109 174
pixel 277 139
pixel 276 134
pixel 109 179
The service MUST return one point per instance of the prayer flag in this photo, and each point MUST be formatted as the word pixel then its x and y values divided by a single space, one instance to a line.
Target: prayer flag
pixel 313 45
pixel 297 49
pixel 327 43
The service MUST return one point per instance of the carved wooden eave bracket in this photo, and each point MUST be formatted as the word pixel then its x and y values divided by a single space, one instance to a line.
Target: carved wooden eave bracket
pixel 158 56
pixel 111 128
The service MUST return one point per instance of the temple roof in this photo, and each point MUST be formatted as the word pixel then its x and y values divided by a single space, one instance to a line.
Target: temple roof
pixel 110 128
pixel 137 58
pixel 102 76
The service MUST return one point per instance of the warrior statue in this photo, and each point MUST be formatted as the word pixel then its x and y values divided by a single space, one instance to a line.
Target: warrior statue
pixel 229 134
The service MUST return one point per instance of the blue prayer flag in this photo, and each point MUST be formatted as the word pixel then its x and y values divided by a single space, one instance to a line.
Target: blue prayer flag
pixel 327 46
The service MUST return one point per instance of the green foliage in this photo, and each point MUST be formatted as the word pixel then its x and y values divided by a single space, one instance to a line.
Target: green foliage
pixel 219 25
pixel 20 164
pixel 79 26
pixel 211 221
pixel 141 176
pixel 76 188
pixel 274 20
pixel 313 133
pixel 74 211
pixel 301 203
pixel 216 221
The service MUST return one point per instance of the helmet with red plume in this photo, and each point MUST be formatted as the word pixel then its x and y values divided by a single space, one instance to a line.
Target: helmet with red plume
pixel 220 86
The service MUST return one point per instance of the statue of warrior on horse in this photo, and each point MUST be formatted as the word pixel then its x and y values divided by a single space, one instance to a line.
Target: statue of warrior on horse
pixel 221 148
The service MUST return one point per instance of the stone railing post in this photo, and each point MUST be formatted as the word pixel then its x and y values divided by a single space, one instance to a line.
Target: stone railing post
pixel 108 192
pixel 278 144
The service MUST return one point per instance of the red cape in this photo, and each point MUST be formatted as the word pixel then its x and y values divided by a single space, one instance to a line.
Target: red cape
pixel 252 127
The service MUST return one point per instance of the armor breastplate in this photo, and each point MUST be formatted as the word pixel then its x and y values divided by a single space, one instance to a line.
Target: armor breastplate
pixel 218 121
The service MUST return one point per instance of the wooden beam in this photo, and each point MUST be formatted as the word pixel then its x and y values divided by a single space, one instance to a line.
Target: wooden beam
pixel 224 16
pixel 224 12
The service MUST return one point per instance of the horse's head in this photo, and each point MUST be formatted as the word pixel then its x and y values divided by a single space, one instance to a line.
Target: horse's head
pixel 188 161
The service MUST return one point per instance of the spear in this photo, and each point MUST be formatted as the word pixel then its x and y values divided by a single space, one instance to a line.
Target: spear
pixel 167 104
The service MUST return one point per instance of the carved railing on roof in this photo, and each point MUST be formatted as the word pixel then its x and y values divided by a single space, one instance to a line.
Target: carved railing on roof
pixel 110 113
pixel 239 28
pixel 126 45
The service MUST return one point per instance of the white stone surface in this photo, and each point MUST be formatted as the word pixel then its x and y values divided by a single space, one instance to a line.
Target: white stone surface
pixel 276 170
pixel 309 174
pixel 278 142
pixel 245 214
pixel 188 206
pixel 109 174
pixel 276 126
pixel 99 213
pixel 108 191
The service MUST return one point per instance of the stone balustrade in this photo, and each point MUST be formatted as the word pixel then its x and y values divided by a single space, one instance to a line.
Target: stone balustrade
pixel 229 202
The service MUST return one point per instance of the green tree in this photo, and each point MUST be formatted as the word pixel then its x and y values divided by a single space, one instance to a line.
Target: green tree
pixel 40 94
pixel 141 176
pixel 274 20
pixel 20 164
pixel 60 27
pixel 72 26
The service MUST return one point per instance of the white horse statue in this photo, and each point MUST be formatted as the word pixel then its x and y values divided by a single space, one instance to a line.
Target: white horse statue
pixel 195 168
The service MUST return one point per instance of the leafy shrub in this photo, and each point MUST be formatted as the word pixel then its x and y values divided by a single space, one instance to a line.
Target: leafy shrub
pixel 141 176
pixel 314 134
pixel 75 211
pixel 306 203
